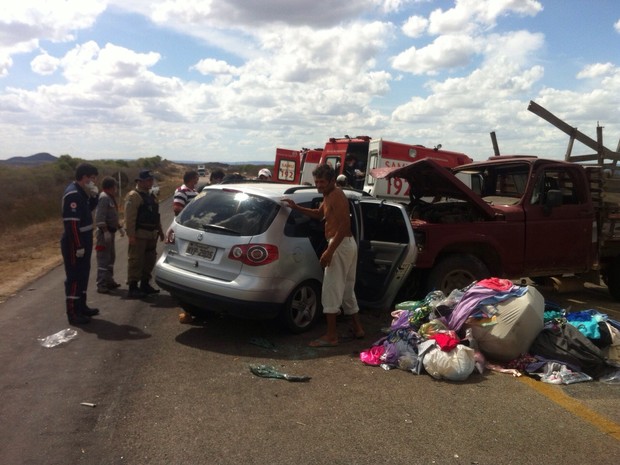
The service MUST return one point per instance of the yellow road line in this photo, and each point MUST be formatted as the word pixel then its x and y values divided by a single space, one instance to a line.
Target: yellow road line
pixel 554 393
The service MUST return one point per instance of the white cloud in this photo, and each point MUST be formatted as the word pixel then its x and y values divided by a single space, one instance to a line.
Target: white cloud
pixel 23 24
pixel 215 67
pixel 290 73
pixel 617 26
pixel 44 64
pixel 469 15
pixel 512 48
pixel 415 26
pixel 445 52
pixel 596 70
pixel 241 14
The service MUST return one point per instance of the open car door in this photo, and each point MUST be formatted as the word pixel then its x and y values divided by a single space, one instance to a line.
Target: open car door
pixel 387 252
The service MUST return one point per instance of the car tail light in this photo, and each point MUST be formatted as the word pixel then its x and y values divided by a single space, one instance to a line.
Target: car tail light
pixel 170 237
pixel 254 254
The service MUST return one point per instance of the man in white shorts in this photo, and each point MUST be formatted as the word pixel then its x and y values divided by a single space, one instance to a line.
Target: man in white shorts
pixel 339 259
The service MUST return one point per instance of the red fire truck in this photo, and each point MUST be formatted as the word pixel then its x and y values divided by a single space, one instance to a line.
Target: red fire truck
pixel 296 166
pixel 386 154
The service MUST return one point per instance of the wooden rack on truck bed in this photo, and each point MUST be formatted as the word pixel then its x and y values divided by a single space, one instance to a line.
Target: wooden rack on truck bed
pixel 603 173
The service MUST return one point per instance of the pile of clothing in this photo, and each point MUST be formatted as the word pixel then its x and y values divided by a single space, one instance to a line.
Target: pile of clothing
pixel 495 324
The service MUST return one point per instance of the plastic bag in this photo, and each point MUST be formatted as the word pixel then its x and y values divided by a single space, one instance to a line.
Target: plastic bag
pixel 58 338
pixel 431 328
pixel 455 365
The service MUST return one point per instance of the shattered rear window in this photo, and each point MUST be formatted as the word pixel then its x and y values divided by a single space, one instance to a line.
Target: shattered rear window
pixel 230 212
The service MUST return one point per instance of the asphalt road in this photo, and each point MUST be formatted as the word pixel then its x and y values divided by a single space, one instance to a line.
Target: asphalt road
pixel 166 393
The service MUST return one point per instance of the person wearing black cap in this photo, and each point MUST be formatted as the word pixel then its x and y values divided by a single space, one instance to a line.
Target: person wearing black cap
pixel 143 225
pixel 78 202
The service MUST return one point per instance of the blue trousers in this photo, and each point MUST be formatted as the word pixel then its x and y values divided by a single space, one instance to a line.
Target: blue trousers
pixel 77 271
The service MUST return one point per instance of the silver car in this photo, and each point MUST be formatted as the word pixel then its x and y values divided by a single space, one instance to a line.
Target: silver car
pixel 237 249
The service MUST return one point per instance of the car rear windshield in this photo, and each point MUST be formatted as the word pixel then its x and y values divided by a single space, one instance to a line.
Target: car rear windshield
pixel 229 211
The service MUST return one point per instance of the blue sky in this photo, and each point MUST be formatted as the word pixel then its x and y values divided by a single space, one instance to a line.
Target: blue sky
pixel 231 80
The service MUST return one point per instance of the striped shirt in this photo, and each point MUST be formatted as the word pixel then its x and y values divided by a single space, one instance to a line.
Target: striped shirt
pixel 183 195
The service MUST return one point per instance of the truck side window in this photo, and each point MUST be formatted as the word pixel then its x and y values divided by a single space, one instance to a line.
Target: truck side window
pixel 562 180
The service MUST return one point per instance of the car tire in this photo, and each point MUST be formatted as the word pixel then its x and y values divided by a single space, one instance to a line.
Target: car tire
pixel 302 308
pixel 456 272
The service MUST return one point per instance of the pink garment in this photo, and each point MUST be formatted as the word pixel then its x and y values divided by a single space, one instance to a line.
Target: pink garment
pixel 496 283
pixel 446 341
pixel 373 355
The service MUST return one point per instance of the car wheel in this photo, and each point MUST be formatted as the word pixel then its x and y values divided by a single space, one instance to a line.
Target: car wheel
pixel 302 308
pixel 456 272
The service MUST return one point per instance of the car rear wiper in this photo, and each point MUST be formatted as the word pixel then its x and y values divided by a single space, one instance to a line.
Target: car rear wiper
pixel 224 229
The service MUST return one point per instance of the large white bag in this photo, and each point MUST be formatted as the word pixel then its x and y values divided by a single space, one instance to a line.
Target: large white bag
pixel 455 365
pixel 517 323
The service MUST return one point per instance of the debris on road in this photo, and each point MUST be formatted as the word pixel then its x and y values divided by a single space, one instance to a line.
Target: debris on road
pixel 264 343
pixel 266 371
pixel 58 338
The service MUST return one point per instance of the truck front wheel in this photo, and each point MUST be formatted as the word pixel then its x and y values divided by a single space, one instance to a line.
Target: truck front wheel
pixel 456 272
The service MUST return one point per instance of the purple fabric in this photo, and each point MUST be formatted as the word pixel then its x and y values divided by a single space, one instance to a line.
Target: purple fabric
pixel 476 296
pixel 402 321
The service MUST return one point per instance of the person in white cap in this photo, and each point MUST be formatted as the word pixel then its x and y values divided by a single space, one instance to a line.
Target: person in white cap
pixel 264 175
pixel 341 181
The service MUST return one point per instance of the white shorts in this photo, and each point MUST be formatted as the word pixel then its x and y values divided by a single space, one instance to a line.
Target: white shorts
pixel 339 280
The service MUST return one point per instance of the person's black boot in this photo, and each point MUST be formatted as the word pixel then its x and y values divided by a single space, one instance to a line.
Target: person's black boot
pixel 90 311
pixel 147 288
pixel 77 319
pixel 84 309
pixel 135 292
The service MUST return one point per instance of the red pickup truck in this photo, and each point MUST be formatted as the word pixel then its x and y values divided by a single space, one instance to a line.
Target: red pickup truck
pixel 511 217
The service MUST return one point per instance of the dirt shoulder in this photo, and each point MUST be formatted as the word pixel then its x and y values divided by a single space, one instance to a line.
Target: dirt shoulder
pixel 28 254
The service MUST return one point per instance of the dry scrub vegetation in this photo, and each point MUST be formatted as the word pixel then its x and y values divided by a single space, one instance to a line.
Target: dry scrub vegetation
pixel 30 216
pixel 30 204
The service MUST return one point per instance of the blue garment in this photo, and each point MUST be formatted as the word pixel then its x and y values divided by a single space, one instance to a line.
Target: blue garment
pixel 77 217
pixel 586 321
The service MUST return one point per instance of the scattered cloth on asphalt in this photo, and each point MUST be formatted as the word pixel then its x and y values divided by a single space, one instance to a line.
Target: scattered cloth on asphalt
pixel 496 325
pixel 267 371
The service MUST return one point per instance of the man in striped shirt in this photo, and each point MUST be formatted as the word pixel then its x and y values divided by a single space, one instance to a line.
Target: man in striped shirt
pixel 182 196
pixel 186 192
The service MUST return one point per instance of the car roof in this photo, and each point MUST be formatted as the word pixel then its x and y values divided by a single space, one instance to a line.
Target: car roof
pixel 277 191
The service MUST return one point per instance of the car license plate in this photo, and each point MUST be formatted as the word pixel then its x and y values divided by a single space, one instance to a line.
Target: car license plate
pixel 205 251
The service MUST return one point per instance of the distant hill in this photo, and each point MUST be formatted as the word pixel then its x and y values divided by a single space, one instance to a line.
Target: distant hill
pixel 36 159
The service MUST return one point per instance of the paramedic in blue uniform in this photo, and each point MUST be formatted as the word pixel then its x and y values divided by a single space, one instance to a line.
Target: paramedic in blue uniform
pixel 78 202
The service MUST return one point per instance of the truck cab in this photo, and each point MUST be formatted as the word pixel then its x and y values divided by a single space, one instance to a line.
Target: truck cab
pixel 520 216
